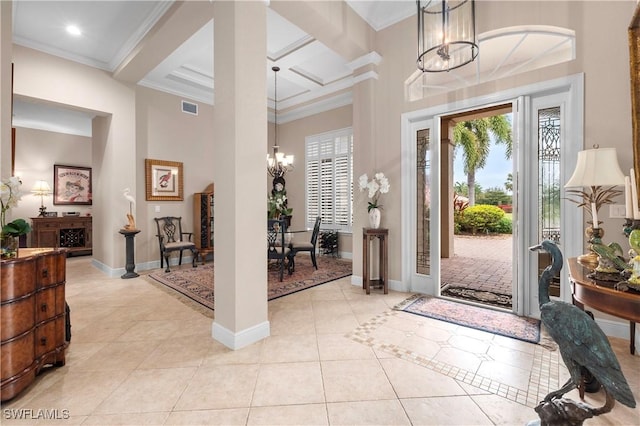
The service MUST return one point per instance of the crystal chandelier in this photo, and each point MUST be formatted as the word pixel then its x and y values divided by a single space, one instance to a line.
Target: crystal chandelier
pixel 279 163
pixel 446 34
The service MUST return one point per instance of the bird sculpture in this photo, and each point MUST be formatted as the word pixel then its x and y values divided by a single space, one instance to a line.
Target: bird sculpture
pixel 132 223
pixel 581 343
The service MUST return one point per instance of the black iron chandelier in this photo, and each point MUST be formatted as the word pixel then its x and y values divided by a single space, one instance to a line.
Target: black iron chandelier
pixel 446 34
pixel 280 163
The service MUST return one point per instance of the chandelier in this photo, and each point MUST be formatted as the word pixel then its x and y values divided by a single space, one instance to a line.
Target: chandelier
pixel 279 163
pixel 446 34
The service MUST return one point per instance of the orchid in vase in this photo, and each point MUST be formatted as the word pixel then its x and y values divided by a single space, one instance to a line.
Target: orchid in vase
pixel 10 194
pixel 378 185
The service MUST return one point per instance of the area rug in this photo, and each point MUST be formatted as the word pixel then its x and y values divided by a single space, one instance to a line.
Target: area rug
pixel 197 283
pixel 485 297
pixel 489 320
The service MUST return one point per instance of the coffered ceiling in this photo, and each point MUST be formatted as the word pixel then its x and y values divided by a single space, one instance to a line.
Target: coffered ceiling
pixel 313 77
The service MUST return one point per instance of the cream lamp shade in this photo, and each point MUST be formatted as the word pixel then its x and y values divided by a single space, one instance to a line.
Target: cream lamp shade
pixel 41 187
pixel 596 167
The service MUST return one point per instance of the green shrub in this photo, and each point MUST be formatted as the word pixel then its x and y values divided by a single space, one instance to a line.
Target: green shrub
pixel 504 226
pixel 480 218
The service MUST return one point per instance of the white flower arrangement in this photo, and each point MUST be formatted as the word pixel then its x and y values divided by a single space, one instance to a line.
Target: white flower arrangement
pixel 379 184
pixel 10 194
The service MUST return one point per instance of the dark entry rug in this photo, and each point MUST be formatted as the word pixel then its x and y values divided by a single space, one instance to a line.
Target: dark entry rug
pixel 197 283
pixel 489 320
pixel 480 296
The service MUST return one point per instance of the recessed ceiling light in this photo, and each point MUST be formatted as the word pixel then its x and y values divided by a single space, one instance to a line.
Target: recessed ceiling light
pixel 73 30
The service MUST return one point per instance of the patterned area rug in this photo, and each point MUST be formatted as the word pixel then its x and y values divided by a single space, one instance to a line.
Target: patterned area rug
pixel 480 296
pixel 197 283
pixel 489 320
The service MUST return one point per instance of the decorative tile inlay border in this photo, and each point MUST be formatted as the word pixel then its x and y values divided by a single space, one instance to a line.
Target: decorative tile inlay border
pixel 544 375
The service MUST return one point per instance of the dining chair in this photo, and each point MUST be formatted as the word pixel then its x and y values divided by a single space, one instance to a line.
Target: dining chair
pixel 277 249
pixel 309 246
pixel 171 239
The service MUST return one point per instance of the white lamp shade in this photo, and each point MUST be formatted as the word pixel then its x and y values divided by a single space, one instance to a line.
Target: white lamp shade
pixel 596 167
pixel 41 187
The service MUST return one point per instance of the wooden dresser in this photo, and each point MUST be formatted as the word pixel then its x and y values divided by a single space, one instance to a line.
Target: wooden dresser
pixel 71 232
pixel 33 316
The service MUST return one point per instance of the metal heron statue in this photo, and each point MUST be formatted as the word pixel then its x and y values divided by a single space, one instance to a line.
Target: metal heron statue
pixel 582 344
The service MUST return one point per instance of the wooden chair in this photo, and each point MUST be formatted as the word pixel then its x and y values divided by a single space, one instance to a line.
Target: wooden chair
pixel 309 246
pixel 277 249
pixel 171 239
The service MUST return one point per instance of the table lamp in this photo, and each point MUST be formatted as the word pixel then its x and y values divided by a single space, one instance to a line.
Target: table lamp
pixel 41 188
pixel 596 169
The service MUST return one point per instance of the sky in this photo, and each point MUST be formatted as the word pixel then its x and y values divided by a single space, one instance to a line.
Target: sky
pixel 494 174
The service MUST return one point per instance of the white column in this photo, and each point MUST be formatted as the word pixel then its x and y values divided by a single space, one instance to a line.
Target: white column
pixel 240 147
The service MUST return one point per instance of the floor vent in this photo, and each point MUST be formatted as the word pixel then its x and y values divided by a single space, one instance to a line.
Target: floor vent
pixel 189 108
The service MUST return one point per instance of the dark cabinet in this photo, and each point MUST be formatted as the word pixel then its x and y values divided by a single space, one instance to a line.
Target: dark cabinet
pixel 203 221
pixel 71 232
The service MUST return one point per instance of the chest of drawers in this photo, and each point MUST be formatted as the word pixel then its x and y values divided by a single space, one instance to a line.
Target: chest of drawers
pixel 32 312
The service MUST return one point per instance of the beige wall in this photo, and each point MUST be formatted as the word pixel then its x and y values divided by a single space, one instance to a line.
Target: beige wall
pixel 36 153
pixel 164 132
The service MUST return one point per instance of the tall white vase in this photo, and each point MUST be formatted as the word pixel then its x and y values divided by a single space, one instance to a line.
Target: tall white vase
pixel 374 218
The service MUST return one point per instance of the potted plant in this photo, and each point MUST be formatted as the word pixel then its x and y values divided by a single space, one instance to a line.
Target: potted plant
pixel 10 232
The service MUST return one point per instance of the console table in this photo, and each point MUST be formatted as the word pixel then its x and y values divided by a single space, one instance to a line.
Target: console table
pixel 603 297
pixel 71 232
pixel 368 235
pixel 33 316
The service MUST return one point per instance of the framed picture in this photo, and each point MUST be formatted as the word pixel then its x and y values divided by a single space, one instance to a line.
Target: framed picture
pixel 71 185
pixel 164 180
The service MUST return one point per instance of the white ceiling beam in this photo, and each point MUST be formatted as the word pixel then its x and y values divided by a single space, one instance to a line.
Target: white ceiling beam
pixel 333 23
pixel 181 21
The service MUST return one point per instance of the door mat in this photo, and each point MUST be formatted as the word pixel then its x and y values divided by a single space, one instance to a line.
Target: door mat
pixel 481 296
pixel 489 320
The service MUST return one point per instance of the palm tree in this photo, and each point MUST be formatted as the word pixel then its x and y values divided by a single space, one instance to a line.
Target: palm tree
pixel 473 137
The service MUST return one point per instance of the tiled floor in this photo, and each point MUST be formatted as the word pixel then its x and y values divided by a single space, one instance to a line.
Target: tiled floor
pixel 335 356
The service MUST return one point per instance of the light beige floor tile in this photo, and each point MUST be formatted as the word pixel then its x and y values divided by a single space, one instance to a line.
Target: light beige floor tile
pixel 304 414
pixel 426 348
pixel 355 380
pixel 336 324
pixel 217 387
pixel 288 383
pixel 410 380
pixel 79 392
pixel 338 346
pixel 230 416
pixel 383 412
pixel 458 358
pixel 178 352
pixel 150 330
pixel 127 419
pixel 98 331
pixel 504 373
pixel 290 348
pixel 118 356
pixel 219 354
pixel 146 391
pixel 501 411
pixel 511 356
pixel 448 410
pixel 469 344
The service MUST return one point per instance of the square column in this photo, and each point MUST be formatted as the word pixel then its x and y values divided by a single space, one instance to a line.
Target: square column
pixel 240 147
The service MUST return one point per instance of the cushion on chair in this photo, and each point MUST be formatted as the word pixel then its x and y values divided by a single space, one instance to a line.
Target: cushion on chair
pixel 179 245
pixel 303 246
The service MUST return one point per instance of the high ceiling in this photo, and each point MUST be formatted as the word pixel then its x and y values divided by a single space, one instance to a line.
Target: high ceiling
pixel 313 76
pixel 112 29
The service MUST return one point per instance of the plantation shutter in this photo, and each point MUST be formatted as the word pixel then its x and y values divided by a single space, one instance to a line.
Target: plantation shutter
pixel 329 179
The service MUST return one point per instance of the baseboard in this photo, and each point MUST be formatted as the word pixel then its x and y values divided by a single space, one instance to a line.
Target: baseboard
pixel 242 338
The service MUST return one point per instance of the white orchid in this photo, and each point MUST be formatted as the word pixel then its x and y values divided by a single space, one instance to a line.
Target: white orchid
pixel 379 184
pixel 10 194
